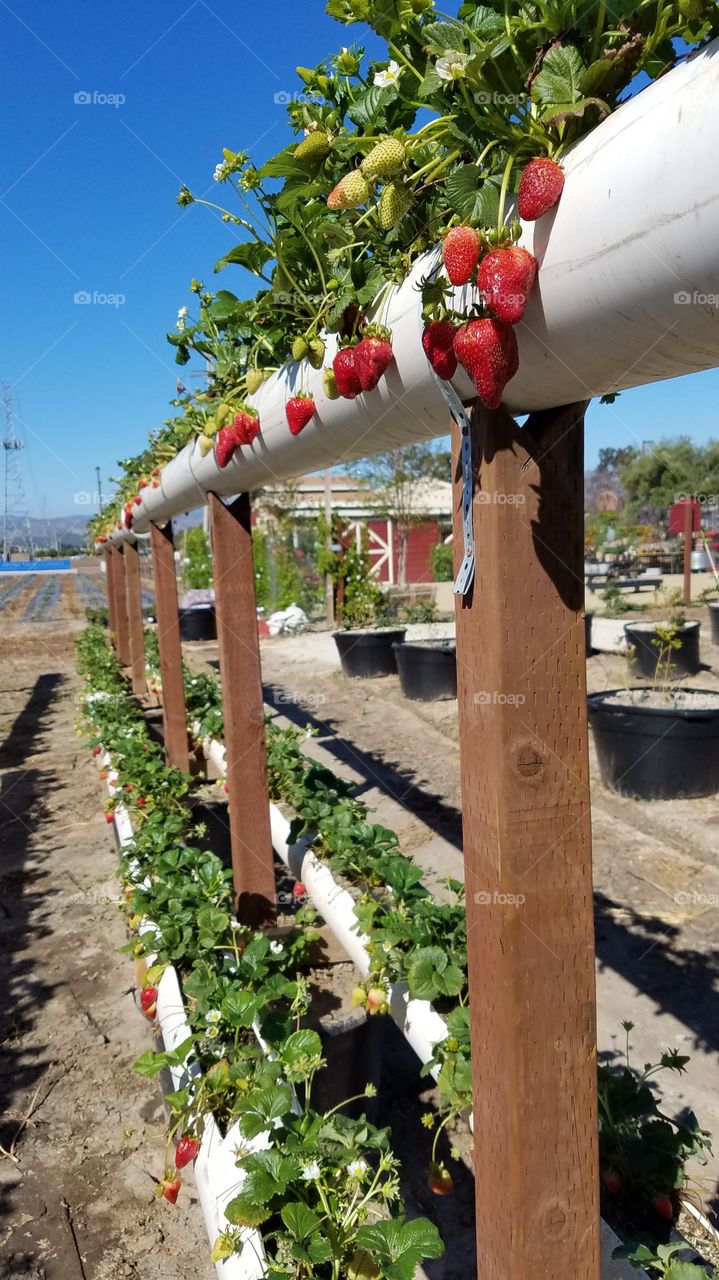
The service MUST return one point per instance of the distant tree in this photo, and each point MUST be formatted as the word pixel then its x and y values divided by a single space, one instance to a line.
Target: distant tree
pixel 657 477
pixel 198 563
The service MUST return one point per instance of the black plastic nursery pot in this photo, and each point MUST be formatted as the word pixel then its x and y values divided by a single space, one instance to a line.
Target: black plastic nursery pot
pixel 714 621
pixel 215 816
pixel 367 654
pixel 657 753
pixel 198 623
pixel 427 669
pixel 646 648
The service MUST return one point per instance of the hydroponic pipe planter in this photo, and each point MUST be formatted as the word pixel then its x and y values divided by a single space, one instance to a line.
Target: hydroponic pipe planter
pixel 421 1025
pixel 619 302
pixel 216 1175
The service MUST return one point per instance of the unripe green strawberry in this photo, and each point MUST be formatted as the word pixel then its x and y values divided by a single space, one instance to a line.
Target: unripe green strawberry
pixel 204 444
pixel 359 997
pixel 222 413
pixel 329 385
pixel 385 160
pixel 254 380
pixel 691 10
pixel 316 352
pixel 350 192
pixel 313 148
pixel 394 203
pixel 211 427
pixel 300 347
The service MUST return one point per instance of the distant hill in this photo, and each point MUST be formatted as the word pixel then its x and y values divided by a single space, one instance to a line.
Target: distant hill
pixel 51 532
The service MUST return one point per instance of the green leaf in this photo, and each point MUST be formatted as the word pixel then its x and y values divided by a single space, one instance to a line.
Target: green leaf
pixel 262 1108
pixel 685 1271
pixel 485 22
pixel 400 1247
pixel 251 255
pixel 474 199
pixel 370 107
pixel 240 1008
pixel 557 112
pixel 560 77
pixel 149 1064
pixel 283 165
pixel 299 1219
pixel 440 36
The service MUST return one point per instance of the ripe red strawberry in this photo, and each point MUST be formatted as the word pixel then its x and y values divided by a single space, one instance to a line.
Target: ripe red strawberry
pixel 373 355
pixel 505 280
pixel 225 445
pixel 109 816
pixel 438 344
pixel 663 1206
pixel 96 751
pixel 487 349
pixel 103 773
pixel 148 1002
pixel 137 500
pixel 140 802
pixel 540 187
pixel 247 426
pixel 346 375
pixel 439 1179
pixel 186 1151
pixel 612 1181
pixel 299 890
pixel 170 1186
pixel 461 254
pixel 298 410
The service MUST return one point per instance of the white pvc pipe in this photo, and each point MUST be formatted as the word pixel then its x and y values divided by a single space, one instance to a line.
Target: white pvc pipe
pixel 636 228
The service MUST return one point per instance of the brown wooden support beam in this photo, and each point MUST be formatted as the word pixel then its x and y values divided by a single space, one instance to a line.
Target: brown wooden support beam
pixel 133 587
pixel 168 639
pixel 527 850
pixel 122 626
pixel 243 708
pixel 110 588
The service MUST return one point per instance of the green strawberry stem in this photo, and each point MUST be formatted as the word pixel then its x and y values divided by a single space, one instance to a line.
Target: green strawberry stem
pixel 503 191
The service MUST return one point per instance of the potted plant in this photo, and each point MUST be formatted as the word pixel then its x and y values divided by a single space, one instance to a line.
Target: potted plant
pixel 197 611
pixel 669 649
pixel 661 741
pixel 427 669
pixel 365 643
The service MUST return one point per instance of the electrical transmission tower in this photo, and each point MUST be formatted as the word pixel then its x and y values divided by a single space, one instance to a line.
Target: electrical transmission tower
pixel 15 506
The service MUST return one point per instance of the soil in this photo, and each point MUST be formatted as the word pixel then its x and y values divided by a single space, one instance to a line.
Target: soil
pixel 87 1135
pixel 664 699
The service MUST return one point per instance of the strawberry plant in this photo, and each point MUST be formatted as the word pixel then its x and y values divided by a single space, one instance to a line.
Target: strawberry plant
pixel 326 1189
pixel 461 120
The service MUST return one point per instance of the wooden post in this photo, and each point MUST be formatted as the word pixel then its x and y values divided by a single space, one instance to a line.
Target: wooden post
pixel 525 805
pixel 243 708
pixel 133 588
pixel 168 638
pixel 688 543
pixel 110 588
pixel 122 626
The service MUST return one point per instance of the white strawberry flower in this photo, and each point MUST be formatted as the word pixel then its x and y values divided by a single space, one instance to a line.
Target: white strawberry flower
pixel 452 65
pixel 357 1169
pixel 276 948
pixel 311 1171
pixel 182 313
pixel 212 1033
pixel 213 1015
pixel 220 172
pixel 385 79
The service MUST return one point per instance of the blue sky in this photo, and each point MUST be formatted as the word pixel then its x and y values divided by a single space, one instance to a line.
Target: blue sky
pixel 88 206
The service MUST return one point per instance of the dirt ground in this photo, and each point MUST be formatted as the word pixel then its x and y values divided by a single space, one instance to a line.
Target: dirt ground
pixel 77 1201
